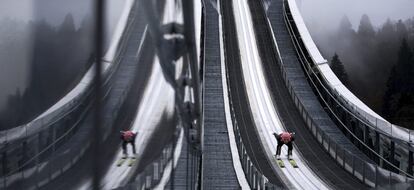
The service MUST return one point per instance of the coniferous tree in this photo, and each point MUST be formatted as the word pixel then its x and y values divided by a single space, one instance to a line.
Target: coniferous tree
pixel 404 114
pixel 345 28
pixel 339 69
pixel 403 67
pixel 345 34
pixel 387 45
pixel 372 55
pixel 389 93
pixel 365 29
pixel 400 84
pixel 387 32
pixel 366 38
pixel 402 30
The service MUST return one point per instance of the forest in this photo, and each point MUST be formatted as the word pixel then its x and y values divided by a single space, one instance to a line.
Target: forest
pixel 58 57
pixel 376 64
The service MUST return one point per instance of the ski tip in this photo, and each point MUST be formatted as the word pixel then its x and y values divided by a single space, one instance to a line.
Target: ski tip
pixel 280 163
pixel 131 161
pixel 293 163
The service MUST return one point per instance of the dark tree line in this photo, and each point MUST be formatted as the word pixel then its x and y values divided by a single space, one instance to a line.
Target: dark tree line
pixel 60 55
pixel 399 96
pixel 339 69
pixel 376 65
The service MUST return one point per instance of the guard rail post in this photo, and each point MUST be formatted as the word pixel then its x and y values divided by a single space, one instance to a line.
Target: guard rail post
pixel 376 176
pixel 353 163
pixel 389 179
pixel 363 172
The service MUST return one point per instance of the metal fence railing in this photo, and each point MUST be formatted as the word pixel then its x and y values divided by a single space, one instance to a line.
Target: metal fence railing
pixel 152 174
pixel 159 173
pixel 30 154
pixel 188 111
pixel 393 142
pixel 254 177
pixel 369 173
pixel 369 118
pixel 45 165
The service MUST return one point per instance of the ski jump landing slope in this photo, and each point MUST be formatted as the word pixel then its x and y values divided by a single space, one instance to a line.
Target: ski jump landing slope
pixel 265 116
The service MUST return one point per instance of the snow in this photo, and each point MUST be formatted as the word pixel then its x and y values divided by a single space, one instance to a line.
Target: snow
pixel 241 177
pixel 158 97
pixel 120 27
pixel 336 85
pixel 78 91
pixel 264 114
pixel 305 35
pixel 197 25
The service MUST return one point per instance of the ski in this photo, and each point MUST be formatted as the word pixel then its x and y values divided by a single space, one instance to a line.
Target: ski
pixel 293 163
pixel 120 162
pixel 280 163
pixel 131 161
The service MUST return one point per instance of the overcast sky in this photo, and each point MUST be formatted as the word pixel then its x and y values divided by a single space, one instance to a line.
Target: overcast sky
pixel 54 11
pixel 327 13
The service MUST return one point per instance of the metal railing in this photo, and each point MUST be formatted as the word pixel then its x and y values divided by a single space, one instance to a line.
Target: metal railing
pixel 374 120
pixel 37 125
pixel 350 119
pixel 39 169
pixel 254 176
pixel 155 172
pixel 29 155
pixel 381 125
pixel 399 147
pixel 369 173
pixel 66 110
pixel 188 84
pixel 371 119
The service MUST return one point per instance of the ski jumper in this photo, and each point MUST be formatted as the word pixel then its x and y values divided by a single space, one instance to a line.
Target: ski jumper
pixel 284 138
pixel 128 137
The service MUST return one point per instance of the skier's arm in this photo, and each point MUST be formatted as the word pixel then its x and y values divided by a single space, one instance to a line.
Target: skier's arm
pixel 276 136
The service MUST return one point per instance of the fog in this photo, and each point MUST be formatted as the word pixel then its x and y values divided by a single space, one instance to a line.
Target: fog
pixel 373 40
pixel 54 11
pixel 23 21
pixel 326 14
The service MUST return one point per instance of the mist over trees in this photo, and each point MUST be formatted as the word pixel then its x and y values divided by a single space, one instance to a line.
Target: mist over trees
pixel 40 41
pixel 59 56
pixel 378 64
